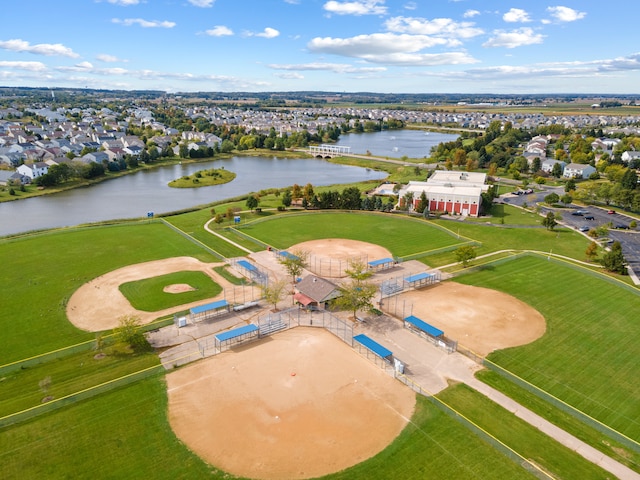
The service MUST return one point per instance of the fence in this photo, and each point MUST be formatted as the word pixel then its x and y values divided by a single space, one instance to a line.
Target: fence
pixel 395 285
pixel 565 407
pixel 333 267
pixel 396 307
pixel 250 271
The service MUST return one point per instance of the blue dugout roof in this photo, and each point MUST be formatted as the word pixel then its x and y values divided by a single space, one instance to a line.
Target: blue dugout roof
pixel 248 266
pixel 419 276
pixel 382 261
pixel 236 332
pixel 286 254
pixel 209 306
pixel 424 326
pixel 372 345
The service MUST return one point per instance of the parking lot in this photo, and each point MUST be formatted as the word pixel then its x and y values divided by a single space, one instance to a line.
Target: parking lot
pixel 584 219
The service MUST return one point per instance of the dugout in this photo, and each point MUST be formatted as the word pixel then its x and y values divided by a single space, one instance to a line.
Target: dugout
pixel 370 348
pixel 423 279
pixel 250 271
pixel 209 310
pixel 381 264
pixel 425 330
pixel 236 336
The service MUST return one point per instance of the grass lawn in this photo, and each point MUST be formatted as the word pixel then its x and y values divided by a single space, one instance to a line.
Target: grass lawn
pixel 21 389
pixel 204 178
pixel 402 236
pixel 36 286
pixel 502 214
pixel 525 439
pixel 148 295
pixel 96 438
pixel 562 419
pixel 589 354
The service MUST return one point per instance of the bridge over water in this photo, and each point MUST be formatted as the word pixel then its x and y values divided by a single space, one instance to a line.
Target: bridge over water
pixel 328 151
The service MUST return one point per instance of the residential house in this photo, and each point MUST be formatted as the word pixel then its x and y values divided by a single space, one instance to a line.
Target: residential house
pixel 33 170
pixel 13 178
pixel 97 157
pixel 547 165
pixel 578 170
pixel 629 156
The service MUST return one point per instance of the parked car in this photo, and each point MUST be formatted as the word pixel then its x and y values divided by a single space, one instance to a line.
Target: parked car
pixel 622 226
pixel 589 217
pixel 611 212
pixel 577 213
pixel 584 228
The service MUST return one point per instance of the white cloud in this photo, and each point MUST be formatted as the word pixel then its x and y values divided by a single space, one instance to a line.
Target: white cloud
pixel 104 57
pixel 411 6
pixel 290 76
pixel 202 3
pixel 470 14
pixel 292 2
pixel 127 22
pixel 361 7
pixel 84 65
pixel 29 66
pixel 49 49
pixel 389 48
pixel 219 31
pixel 442 27
pixel 331 67
pixel 266 33
pixel 516 15
pixel 565 14
pixel 124 3
pixel 514 38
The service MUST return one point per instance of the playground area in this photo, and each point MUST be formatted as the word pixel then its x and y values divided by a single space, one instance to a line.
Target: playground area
pixel 305 412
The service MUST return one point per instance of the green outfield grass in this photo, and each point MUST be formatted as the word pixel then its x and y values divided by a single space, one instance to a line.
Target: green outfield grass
pixel 125 434
pixel 525 439
pixel 36 286
pixel 589 355
pixel 402 236
pixel 148 294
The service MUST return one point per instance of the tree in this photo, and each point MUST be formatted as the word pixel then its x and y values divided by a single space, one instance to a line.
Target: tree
pixel 252 202
pixel 423 203
pixel 556 170
pixel 549 221
pixel 465 254
pixel 570 185
pixel 566 199
pixel 219 218
pixel 286 198
pixel 274 292
pixel 592 251
pixel 128 332
pixel 296 192
pixel 552 198
pixel 613 260
pixel 294 263
pixel 358 294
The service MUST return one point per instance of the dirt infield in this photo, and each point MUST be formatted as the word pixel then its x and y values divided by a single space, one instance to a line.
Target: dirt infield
pixel 98 304
pixel 478 318
pixel 305 412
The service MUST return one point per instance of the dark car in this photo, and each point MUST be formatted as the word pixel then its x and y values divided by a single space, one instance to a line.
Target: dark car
pixel 622 226
pixel 589 217
pixel 577 213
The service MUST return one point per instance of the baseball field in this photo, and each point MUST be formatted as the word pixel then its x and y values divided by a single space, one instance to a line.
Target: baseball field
pixel 235 413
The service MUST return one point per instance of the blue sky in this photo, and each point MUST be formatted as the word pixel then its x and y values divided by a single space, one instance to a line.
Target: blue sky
pixel 388 46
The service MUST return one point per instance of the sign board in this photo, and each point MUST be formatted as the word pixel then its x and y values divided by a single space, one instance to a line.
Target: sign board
pixel 149 214
pixel 236 219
